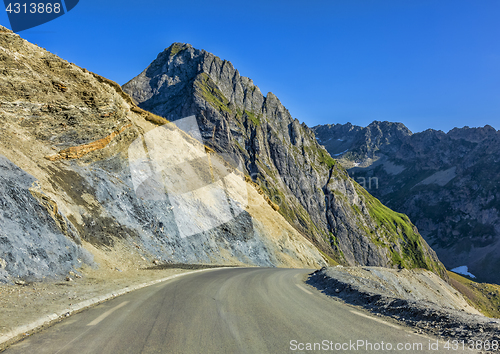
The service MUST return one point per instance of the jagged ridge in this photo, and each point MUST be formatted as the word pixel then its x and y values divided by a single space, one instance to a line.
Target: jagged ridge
pixel 446 182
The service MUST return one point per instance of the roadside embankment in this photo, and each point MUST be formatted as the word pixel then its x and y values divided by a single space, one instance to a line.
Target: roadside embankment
pixel 25 308
pixel 417 298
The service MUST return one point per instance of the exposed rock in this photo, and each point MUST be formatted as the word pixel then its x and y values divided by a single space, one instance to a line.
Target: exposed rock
pixel 281 155
pixel 32 241
pixel 448 184
pixel 56 212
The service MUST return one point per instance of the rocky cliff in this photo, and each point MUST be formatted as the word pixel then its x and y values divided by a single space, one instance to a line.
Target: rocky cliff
pixel 448 184
pixel 85 172
pixel 280 155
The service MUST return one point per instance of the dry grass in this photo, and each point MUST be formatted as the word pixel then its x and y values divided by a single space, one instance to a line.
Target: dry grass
pixel 485 297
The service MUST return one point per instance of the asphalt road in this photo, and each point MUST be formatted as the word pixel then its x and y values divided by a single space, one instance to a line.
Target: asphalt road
pixel 234 310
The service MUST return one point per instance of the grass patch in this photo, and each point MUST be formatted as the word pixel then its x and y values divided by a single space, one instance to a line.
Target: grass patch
pixel 331 262
pixel 253 118
pixel 321 154
pixel 397 227
pixel 211 93
pixel 325 158
pixel 151 117
pixel 484 297
pixel 176 48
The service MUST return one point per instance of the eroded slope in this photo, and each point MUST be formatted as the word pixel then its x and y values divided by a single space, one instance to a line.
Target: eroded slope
pixel 66 137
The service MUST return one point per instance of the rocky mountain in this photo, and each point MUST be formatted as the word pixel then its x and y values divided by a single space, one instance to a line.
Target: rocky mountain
pixel 281 156
pixel 447 183
pixel 86 175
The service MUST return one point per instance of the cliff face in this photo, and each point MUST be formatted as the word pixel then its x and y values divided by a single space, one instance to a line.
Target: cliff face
pixel 448 183
pixel 83 170
pixel 281 155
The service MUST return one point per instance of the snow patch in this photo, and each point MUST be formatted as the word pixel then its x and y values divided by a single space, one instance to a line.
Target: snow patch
pixel 464 270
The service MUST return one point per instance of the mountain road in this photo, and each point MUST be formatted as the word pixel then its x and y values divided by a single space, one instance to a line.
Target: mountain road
pixel 231 310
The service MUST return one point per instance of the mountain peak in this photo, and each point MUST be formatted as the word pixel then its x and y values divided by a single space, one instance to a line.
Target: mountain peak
pixel 177 47
pixel 281 155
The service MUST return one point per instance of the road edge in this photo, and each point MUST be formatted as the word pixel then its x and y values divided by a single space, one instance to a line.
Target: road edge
pixel 19 332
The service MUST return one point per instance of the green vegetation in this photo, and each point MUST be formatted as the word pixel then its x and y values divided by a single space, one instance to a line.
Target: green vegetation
pixel 211 93
pixel 289 208
pixel 325 158
pixel 254 119
pixel 334 242
pixel 331 262
pixel 239 146
pixel 322 155
pixel 484 297
pixel 176 48
pixel 153 118
pixel 396 259
pixel 398 229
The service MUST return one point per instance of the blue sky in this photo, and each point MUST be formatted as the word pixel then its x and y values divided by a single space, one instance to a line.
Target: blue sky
pixel 426 63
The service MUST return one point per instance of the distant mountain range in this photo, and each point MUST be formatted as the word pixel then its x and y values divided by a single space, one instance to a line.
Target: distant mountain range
pixel 447 183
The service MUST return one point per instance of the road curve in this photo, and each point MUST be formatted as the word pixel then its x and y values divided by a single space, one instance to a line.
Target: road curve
pixel 233 310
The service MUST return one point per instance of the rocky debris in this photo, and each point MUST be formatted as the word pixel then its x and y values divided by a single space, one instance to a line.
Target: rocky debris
pixel 31 239
pixel 281 155
pixel 408 284
pixel 416 298
pixel 53 207
pixel 447 183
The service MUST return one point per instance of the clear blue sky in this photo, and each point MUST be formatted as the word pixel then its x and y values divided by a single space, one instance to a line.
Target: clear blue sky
pixel 426 63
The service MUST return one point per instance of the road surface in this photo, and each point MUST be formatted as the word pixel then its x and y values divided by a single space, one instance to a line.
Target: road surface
pixel 232 310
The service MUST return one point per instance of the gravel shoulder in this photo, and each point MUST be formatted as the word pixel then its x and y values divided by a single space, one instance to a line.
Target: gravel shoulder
pixel 411 297
pixel 24 304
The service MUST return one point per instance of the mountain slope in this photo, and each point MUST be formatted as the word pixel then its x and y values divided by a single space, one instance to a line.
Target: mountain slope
pixel 74 182
pixel 310 189
pixel 447 183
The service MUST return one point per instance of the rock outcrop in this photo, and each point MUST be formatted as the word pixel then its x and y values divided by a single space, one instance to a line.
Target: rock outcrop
pixel 447 183
pixel 281 155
